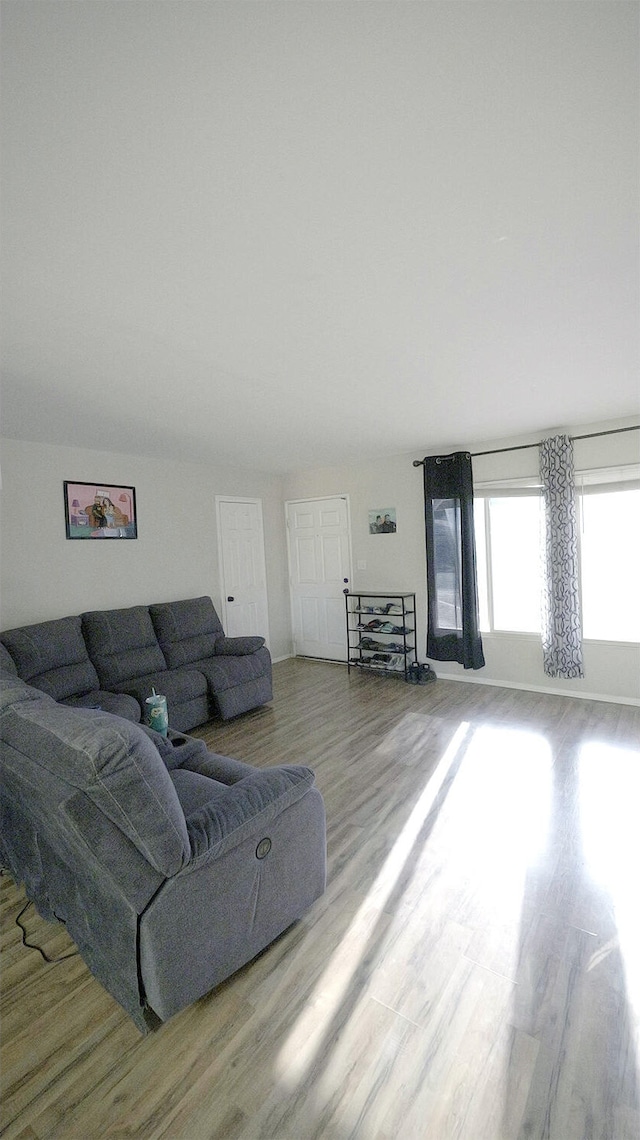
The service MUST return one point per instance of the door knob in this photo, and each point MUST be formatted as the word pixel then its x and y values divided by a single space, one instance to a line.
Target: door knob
pixel 230 598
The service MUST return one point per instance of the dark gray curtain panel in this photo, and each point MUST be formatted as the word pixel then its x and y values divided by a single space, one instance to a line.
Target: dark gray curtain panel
pixel 453 632
pixel 561 615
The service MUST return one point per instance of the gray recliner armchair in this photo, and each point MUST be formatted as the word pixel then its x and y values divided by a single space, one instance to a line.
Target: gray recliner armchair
pixel 237 669
pixel 171 866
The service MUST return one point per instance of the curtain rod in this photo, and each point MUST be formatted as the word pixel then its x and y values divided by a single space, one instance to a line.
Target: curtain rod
pixel 524 446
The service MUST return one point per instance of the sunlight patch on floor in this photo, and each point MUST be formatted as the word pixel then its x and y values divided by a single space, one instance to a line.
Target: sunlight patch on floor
pixel 609 794
pixel 306 1040
pixel 501 807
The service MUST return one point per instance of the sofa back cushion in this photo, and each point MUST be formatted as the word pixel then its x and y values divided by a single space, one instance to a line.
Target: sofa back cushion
pixel 13 691
pixel 187 630
pixel 7 664
pixel 53 656
pixel 122 644
pixel 112 761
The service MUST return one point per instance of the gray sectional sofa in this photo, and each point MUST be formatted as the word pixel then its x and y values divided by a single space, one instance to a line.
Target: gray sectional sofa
pixel 114 659
pixel 171 866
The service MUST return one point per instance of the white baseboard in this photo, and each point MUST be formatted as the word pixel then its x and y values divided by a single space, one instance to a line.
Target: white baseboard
pixel 302 657
pixel 550 689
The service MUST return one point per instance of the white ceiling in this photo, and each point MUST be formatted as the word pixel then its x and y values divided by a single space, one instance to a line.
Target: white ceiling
pixel 295 234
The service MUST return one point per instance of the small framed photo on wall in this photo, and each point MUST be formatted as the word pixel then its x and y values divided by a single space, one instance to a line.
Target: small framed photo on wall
pixel 382 520
pixel 100 510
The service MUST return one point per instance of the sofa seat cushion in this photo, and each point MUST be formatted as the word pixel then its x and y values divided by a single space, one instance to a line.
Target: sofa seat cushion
pixel 122 645
pixel 187 630
pixel 178 685
pixel 52 656
pixel 224 673
pixel 118 704
pixel 238 646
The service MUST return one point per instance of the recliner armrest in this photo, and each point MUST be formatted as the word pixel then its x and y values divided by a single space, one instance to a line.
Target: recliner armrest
pixel 177 749
pixel 247 808
pixel 238 646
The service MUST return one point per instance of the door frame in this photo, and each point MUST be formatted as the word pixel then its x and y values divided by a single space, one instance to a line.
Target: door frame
pixel 223 587
pixel 315 499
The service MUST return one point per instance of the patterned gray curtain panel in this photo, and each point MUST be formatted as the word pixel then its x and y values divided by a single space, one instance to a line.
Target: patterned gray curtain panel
pixel 561 619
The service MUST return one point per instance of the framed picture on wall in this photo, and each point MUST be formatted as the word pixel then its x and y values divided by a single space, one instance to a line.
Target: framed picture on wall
pixel 382 520
pixel 100 510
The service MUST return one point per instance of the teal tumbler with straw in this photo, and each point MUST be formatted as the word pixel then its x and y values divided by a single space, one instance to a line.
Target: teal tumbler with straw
pixel 156 713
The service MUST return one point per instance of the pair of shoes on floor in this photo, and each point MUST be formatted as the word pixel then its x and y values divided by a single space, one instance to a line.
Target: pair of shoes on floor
pixel 420 674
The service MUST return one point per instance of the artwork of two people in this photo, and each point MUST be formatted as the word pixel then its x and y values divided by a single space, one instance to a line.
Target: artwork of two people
pixel 382 521
pixel 100 512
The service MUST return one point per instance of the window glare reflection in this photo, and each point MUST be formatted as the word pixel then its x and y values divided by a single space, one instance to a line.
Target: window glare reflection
pixel 609 798
pixel 503 797
pixel 609 787
pixel 610 555
pixel 515 548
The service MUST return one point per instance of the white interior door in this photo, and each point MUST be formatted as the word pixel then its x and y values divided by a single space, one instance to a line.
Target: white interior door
pixel 242 567
pixel 319 572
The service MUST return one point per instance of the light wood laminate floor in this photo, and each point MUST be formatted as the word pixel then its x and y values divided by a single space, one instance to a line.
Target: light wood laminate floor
pixel 472 971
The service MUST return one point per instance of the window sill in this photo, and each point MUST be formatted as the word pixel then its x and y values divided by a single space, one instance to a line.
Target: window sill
pixel 510 634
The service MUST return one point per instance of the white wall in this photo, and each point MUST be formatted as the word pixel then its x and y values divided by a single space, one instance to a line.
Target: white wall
pixel 397 561
pixel 44 575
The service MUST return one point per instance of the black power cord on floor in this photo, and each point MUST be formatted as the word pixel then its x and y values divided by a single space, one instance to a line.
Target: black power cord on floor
pixel 32 945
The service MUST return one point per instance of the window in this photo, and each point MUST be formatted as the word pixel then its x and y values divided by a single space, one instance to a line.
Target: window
pixel 610 556
pixel 509 531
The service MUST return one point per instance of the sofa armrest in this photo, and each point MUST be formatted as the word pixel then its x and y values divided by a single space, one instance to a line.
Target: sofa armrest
pixel 238 646
pixel 245 809
pixel 224 769
pixel 177 749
